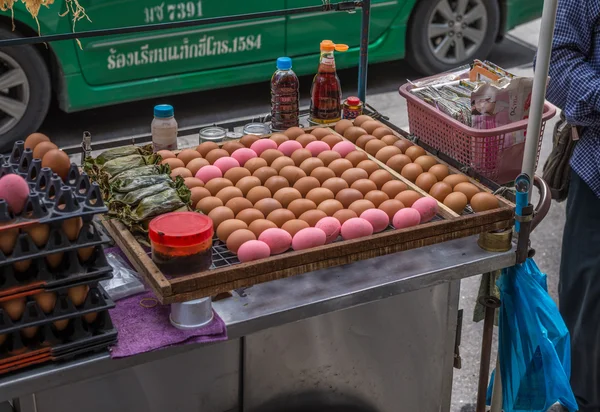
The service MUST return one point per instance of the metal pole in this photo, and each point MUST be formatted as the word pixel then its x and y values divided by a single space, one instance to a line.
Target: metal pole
pixel 490 303
pixel 538 94
pixel 364 51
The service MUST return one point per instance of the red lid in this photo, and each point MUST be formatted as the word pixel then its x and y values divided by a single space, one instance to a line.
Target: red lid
pixel 180 229
pixel 353 100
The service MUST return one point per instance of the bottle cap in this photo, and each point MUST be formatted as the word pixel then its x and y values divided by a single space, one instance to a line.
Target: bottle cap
pixel 284 63
pixel 180 229
pixel 328 45
pixel 163 111
pixel 353 100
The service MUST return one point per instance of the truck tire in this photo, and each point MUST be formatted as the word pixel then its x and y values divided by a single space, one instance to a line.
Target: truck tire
pixel 445 34
pixel 25 91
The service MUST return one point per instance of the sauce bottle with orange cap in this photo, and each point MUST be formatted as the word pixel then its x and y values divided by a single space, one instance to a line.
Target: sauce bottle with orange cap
pixel 326 91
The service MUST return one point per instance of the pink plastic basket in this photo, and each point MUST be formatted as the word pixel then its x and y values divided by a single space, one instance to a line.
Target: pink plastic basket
pixel 481 150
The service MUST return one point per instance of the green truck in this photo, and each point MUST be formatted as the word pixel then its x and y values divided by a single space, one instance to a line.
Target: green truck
pixel 434 35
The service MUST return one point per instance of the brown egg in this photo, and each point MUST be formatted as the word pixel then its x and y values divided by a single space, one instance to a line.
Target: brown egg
pixel 343 215
pixel 320 132
pixel 348 196
pixel 354 174
pixel 228 193
pixel 328 156
pixel 280 216
pixel 412 171
pixel 440 171
pixel 237 204
pixel 408 197
pixel 376 197
pixel 364 186
pixel 455 179
pixel 231 147
pixel 322 174
pixel 215 154
pixel 229 226
pixel 34 139
pixel 58 161
pixel 339 166
pixel 426 181
pixel 293 132
pixel 311 164
pixel 279 138
pixel 297 207
pixel 305 139
pixel 398 162
pixel 238 238
pixel 371 125
pixel 270 155
pixel 393 187
pixel 216 184
pixel 164 154
pixel 353 133
pixel 457 201
pixel 319 195
pixel 236 173
pixel 46 301
pixel 249 215
pixel 382 131
pixel 335 184
pixel 414 152
pixel 332 140
pixel 391 207
pixel 468 189
pixel 403 144
pixel 364 139
pixel 180 171
pixel 484 201
pixel 198 193
pixel 330 206
pixel 187 155
pixel 220 214
pixel 380 177
pixel 356 157
pixel 390 140
pixel 426 162
pixel 267 205
pixel 368 166
pixel 196 164
pixel 14 308
pixel 387 152
pixel 44 147
pixel 77 294
pixel 206 147
pixel 294 226
pixel 207 204
pixel 254 164
pixel 306 184
pixel 312 217
pixel 71 228
pixel 264 173
pixel 274 183
pixel 440 190
pixel 260 225
pixel 300 156
pixel 360 206
pixel 342 125
pixel 248 139
pixel 374 146
pixel 257 193
pixel 247 183
pixel 292 174
pixel 361 119
pixel 286 195
pixel 282 162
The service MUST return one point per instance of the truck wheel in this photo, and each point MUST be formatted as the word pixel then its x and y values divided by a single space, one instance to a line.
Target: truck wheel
pixel 24 92
pixel 445 34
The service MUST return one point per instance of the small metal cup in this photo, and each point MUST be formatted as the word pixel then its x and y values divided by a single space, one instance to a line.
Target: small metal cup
pixel 191 315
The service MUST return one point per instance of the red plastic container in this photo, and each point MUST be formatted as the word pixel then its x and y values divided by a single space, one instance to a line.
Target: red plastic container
pixel 181 242
pixel 481 150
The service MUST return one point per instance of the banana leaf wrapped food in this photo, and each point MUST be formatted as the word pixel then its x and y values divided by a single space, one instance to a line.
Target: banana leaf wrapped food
pixel 93 165
pixel 121 164
pixel 134 197
pixel 147 170
pixel 135 183
pixel 166 201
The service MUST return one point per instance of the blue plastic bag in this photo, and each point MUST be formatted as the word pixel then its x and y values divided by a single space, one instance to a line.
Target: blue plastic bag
pixel 534 344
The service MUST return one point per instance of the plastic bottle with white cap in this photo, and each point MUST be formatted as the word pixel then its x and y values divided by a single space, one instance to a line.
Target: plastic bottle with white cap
pixel 164 128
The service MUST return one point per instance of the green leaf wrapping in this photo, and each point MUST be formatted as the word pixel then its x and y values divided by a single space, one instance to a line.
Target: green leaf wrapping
pixel 142 171
pixel 134 197
pixel 163 202
pixel 121 164
pixel 123 186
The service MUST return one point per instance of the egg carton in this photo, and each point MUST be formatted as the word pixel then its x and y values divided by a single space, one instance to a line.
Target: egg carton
pixel 25 247
pixel 96 300
pixel 70 271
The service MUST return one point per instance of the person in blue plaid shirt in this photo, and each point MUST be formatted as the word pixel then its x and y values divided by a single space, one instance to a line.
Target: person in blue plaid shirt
pixel 574 87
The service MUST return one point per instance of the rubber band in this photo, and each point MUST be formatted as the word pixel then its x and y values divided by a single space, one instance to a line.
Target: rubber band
pixel 152 300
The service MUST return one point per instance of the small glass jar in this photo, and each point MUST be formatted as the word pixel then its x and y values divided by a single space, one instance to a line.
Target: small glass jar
pixel 233 136
pixel 214 134
pixel 256 129
pixel 352 108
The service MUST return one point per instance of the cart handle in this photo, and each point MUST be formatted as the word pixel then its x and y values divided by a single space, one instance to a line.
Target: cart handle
pixel 543 206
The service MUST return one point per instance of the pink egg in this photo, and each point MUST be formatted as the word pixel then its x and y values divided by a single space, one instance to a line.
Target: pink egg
pixel 208 172
pixel 343 148
pixel 226 163
pixel 263 144
pixel 278 240
pixel 288 147
pixel 427 208
pixel 15 190
pixel 406 217
pixel 317 147
pixel 331 226
pixel 355 228
pixel 253 250
pixel 307 238
pixel 243 155
pixel 377 218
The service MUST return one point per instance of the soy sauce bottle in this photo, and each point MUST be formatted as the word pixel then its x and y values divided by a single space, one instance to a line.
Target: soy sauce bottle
pixel 326 91
pixel 285 96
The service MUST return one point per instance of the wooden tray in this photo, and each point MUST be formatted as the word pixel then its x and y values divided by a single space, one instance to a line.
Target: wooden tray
pixel 224 279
